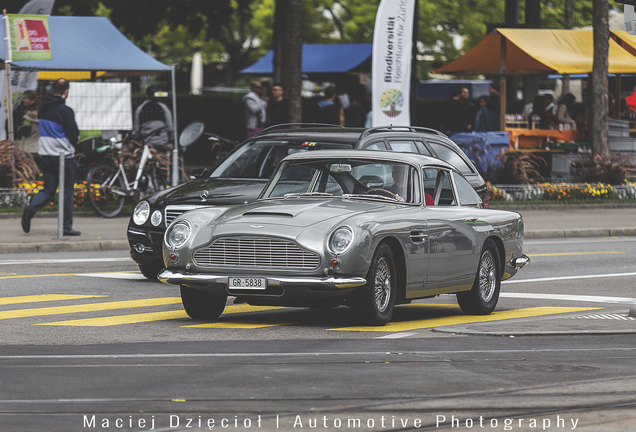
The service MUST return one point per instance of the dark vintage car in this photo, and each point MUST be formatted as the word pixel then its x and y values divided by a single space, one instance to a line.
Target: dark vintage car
pixel 243 174
pixel 366 229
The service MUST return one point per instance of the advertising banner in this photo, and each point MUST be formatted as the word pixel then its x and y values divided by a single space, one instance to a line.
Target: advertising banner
pixel 391 69
pixel 29 36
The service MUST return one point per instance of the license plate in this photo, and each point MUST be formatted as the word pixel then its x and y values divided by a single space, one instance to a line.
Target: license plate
pixel 254 283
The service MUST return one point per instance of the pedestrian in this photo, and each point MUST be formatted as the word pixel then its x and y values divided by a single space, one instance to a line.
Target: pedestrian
pixel 564 112
pixel 328 109
pixel 460 113
pixel 277 107
pixel 153 122
pixel 488 117
pixel 255 109
pixel 58 133
pixel 356 113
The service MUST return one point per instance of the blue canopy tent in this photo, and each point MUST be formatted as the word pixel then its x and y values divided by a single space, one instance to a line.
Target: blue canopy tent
pixel 90 44
pixel 321 60
pixel 94 44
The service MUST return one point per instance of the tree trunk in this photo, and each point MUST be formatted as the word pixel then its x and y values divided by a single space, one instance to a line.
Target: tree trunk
pixel 288 46
pixel 568 22
pixel 533 20
pixel 599 90
pixel 292 60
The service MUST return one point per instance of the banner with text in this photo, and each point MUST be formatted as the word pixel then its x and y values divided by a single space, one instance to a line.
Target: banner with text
pixel 19 81
pixel 29 35
pixel 391 69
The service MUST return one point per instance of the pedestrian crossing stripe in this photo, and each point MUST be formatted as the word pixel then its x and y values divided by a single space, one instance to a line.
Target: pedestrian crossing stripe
pixel 159 316
pixel 43 298
pixel 90 307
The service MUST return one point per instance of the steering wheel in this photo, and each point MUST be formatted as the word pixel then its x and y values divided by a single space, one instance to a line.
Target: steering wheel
pixel 381 192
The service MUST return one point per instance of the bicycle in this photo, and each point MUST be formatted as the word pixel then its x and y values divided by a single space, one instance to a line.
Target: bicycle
pixel 108 185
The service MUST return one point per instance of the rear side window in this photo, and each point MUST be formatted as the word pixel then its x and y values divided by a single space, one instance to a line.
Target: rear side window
pixel 403 146
pixel 378 145
pixel 466 193
pixel 446 154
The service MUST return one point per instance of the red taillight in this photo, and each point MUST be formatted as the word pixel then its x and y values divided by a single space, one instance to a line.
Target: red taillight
pixel 335 263
pixel 172 257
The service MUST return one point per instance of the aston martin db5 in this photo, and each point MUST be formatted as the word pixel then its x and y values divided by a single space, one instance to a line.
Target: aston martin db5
pixel 360 228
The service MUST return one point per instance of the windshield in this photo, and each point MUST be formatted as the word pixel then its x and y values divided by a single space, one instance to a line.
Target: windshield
pixel 349 178
pixel 258 159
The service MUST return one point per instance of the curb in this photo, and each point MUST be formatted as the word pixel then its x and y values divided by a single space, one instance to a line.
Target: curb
pixel 465 331
pixel 64 246
pixel 614 232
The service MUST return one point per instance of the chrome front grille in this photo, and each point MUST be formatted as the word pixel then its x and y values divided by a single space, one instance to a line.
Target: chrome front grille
pixel 263 252
pixel 174 211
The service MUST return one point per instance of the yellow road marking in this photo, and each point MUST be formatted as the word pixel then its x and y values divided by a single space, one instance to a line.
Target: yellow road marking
pixel 239 325
pixel 396 326
pixel 43 298
pixel 157 316
pixel 91 307
pixel 574 253
pixel 121 319
pixel 61 274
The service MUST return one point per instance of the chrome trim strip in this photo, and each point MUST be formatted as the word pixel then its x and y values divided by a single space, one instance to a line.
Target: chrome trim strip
pixel 178 278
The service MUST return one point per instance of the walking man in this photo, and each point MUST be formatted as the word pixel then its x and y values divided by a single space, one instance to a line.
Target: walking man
pixel 58 132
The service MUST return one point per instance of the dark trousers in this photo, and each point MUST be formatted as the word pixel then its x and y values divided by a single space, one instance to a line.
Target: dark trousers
pixel 49 165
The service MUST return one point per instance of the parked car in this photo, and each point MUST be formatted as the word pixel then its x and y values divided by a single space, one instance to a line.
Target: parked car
pixel 243 174
pixel 366 229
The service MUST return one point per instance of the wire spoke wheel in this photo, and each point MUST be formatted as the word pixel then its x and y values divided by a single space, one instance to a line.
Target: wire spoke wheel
pixel 487 277
pixel 382 285
pixel 376 299
pixel 484 294
pixel 105 190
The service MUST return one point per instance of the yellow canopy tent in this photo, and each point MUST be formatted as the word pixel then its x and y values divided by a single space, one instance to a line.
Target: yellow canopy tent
pixel 522 52
pixel 538 52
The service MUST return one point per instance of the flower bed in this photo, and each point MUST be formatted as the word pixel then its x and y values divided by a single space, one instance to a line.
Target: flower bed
pixel 20 196
pixel 562 193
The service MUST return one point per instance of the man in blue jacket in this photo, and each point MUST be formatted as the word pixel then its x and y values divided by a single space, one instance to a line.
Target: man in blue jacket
pixel 58 132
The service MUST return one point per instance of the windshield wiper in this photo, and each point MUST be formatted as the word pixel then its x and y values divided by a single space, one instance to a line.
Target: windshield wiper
pixel 304 194
pixel 370 196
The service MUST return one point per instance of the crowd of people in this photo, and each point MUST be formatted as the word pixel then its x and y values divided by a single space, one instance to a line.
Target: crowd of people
pixel 267 105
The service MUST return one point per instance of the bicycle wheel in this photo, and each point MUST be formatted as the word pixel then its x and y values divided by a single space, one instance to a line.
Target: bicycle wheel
pixel 105 190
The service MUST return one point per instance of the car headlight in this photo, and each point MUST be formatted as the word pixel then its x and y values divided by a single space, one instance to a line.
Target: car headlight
pixel 141 213
pixel 178 235
pixel 341 240
pixel 156 217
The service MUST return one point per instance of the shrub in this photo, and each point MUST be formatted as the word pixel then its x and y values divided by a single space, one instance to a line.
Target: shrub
pixel 15 165
pixel 614 169
pixel 518 168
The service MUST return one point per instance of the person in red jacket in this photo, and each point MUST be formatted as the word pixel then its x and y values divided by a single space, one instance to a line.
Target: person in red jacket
pixel 630 100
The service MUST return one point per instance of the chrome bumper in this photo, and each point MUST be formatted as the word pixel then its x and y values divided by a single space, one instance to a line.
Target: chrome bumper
pixel 178 278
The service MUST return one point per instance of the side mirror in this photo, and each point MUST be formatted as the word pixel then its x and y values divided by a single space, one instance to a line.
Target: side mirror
pixel 198 173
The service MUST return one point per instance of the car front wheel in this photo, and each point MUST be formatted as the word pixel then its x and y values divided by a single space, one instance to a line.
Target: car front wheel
pixel 202 305
pixel 377 297
pixel 483 296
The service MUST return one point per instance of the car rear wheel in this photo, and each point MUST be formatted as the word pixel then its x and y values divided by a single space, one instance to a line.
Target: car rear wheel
pixel 377 297
pixel 202 305
pixel 483 296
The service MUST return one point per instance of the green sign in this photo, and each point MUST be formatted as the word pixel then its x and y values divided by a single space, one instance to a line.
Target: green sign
pixel 30 37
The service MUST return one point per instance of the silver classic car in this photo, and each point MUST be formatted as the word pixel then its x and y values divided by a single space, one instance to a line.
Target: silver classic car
pixel 362 228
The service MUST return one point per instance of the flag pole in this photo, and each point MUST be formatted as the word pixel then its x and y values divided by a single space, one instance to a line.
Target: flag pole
pixel 7 73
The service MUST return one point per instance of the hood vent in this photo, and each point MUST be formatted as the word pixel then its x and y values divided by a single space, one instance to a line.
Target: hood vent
pixel 266 213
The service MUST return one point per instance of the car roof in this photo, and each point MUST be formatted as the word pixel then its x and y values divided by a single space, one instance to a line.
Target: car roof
pixel 348 135
pixel 412 158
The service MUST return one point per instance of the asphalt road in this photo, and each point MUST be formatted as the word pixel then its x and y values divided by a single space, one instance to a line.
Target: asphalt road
pixel 87 344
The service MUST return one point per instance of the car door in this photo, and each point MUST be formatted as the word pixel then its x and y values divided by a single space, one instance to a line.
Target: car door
pixel 452 237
